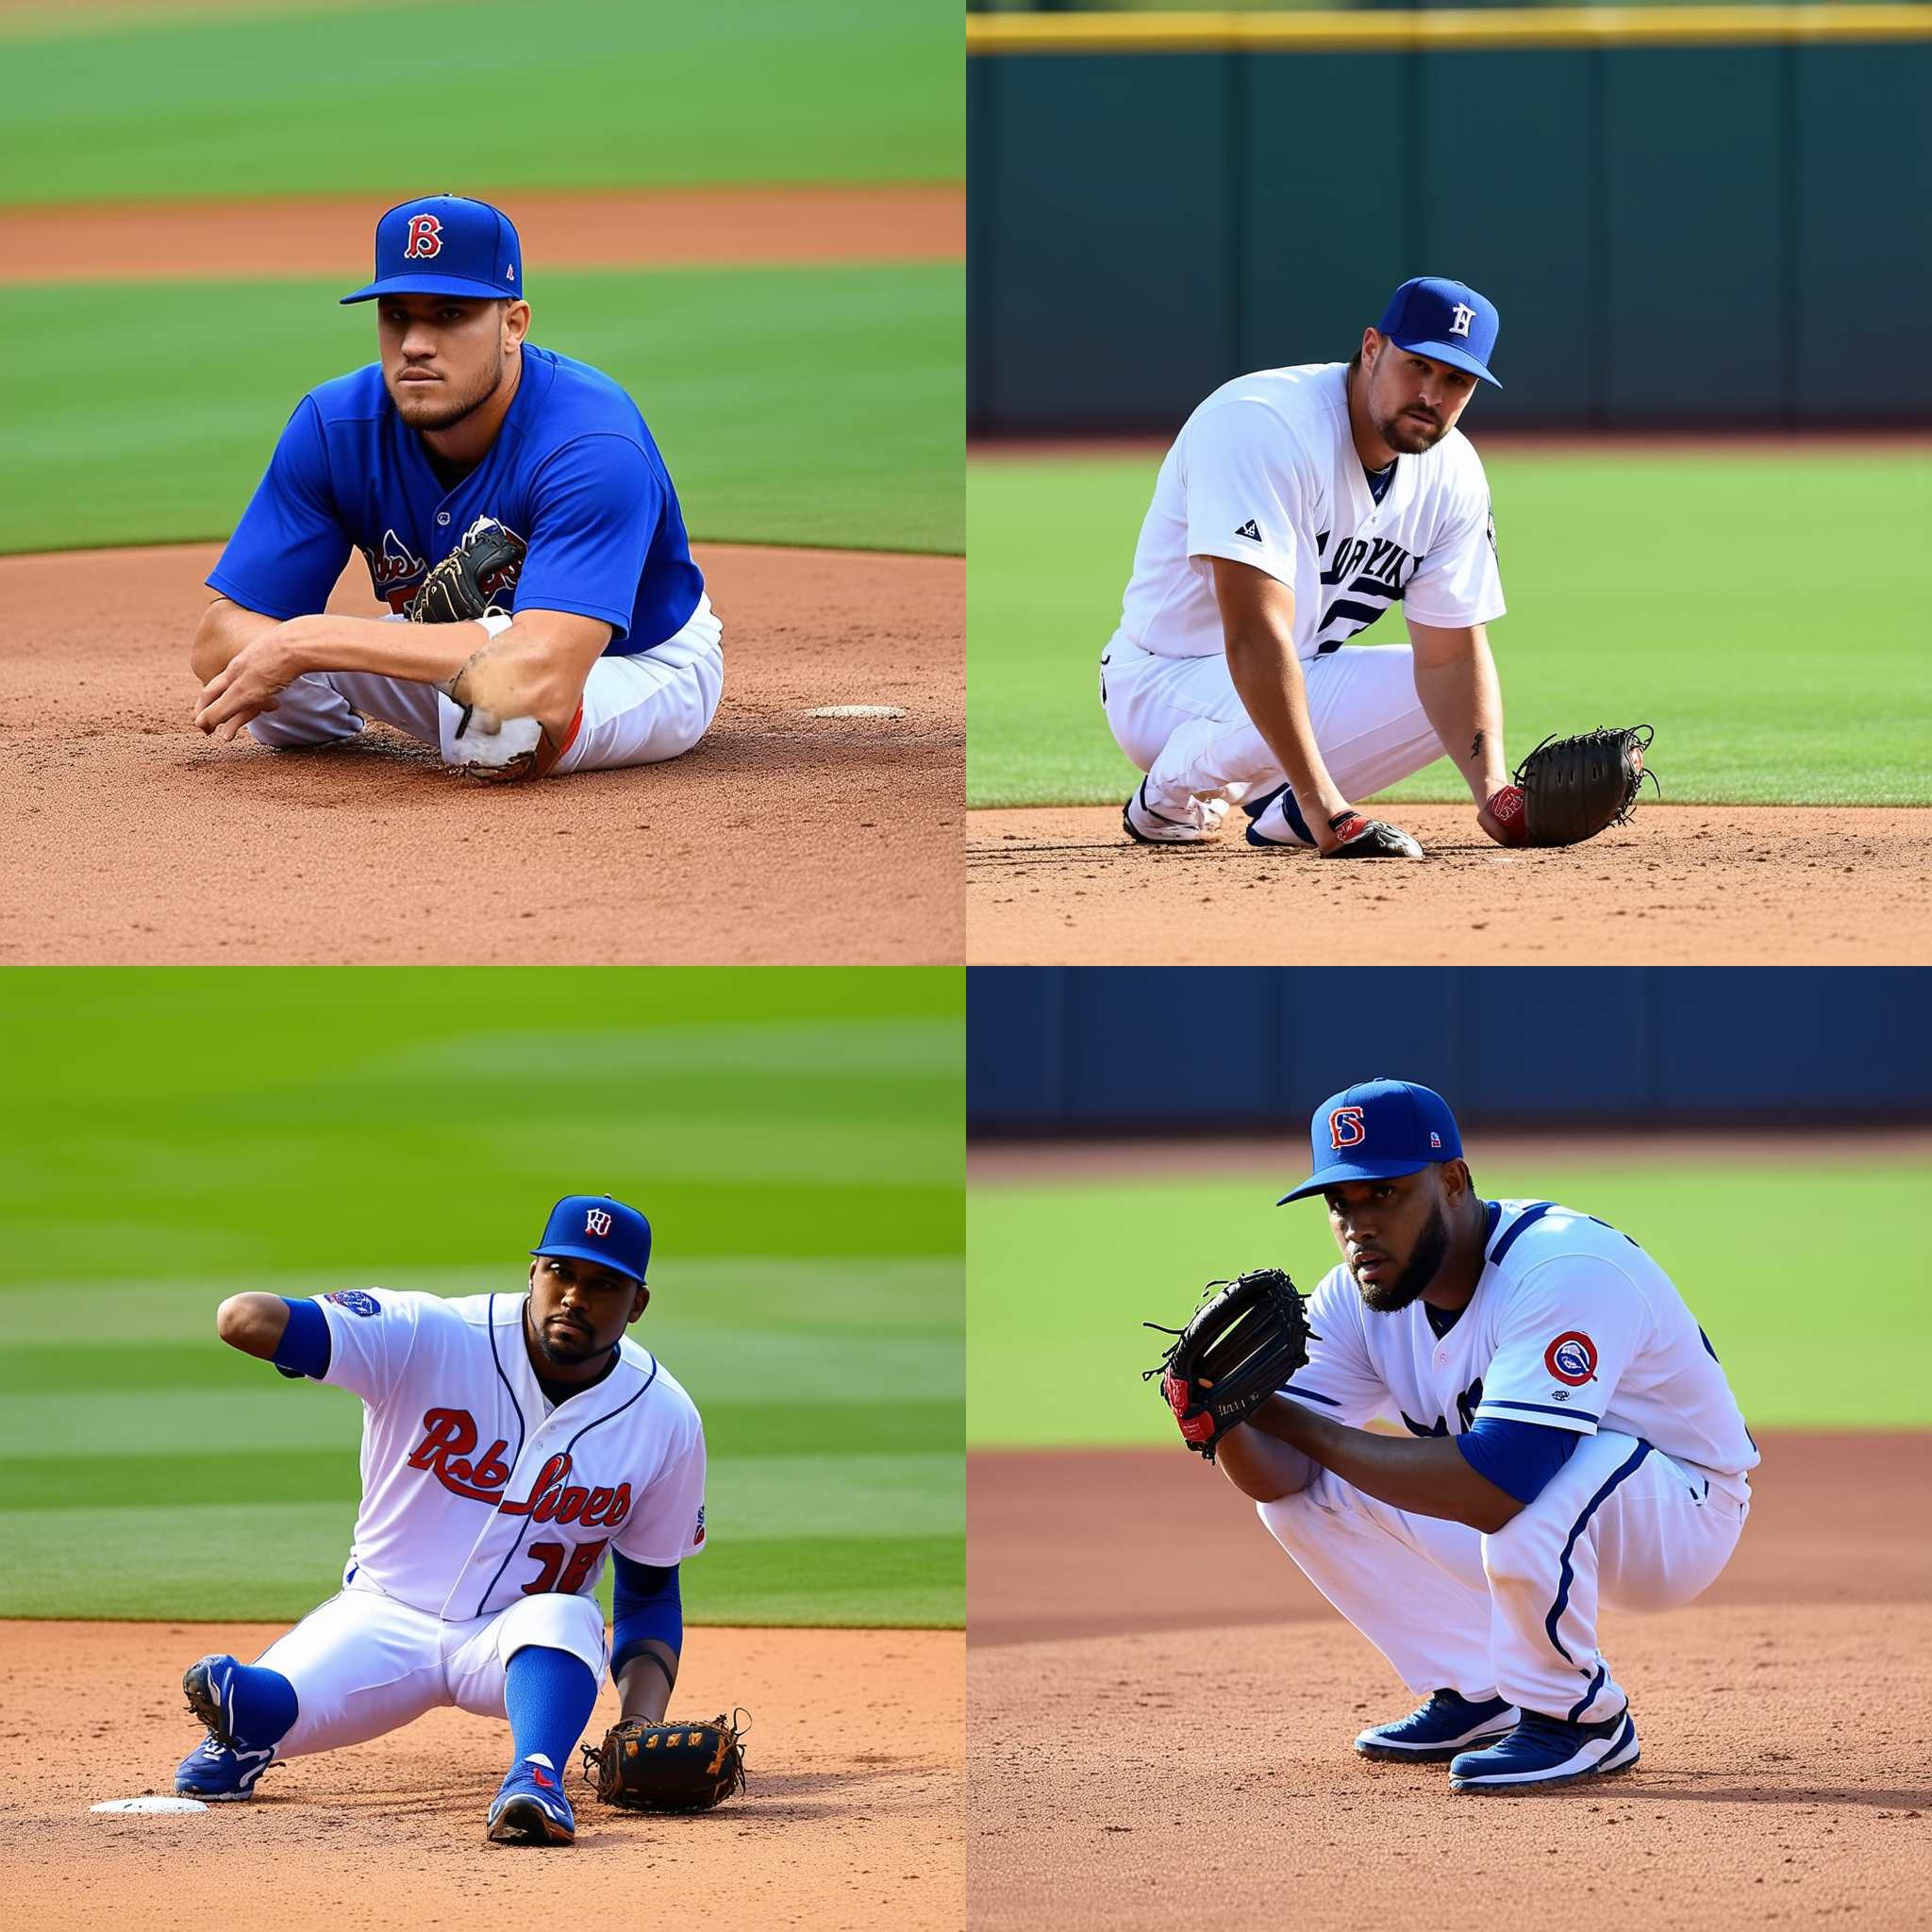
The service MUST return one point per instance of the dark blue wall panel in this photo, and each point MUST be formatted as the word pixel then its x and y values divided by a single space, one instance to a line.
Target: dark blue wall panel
pixel 1697 269
pixel 1113 236
pixel 1504 190
pixel 1862 285
pixel 1689 234
pixel 1173 1049
pixel 1329 222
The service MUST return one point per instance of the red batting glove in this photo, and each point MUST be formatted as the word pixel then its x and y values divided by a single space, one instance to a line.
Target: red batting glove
pixel 1505 816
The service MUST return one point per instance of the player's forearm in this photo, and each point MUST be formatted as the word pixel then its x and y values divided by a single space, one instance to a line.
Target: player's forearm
pixel 1268 680
pixel 1428 1476
pixel 422 653
pixel 226 627
pixel 644 1684
pixel 1262 1467
pixel 252 1322
pixel 1464 701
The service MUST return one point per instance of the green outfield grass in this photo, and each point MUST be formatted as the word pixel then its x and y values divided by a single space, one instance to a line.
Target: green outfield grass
pixel 1736 601
pixel 578 94
pixel 1765 1255
pixel 794 405
pixel 794 1137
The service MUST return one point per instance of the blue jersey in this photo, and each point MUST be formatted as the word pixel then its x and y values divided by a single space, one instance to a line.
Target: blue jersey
pixel 573 475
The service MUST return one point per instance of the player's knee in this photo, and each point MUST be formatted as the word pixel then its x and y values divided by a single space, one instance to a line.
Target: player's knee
pixel 1521 1550
pixel 554 1622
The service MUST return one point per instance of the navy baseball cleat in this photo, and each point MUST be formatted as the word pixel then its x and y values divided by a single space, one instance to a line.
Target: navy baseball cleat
pixel 1546 1751
pixel 1436 1731
pixel 531 1809
pixel 218 1775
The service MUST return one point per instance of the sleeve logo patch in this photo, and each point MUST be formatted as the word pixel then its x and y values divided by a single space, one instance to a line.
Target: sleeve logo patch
pixel 355 1300
pixel 1249 531
pixel 698 1535
pixel 1572 1358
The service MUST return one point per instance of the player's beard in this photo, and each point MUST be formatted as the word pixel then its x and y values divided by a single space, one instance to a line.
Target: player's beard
pixel 563 1349
pixel 1431 1245
pixel 447 414
pixel 1409 436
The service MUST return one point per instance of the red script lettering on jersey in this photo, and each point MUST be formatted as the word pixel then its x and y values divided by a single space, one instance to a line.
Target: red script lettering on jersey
pixel 446 1451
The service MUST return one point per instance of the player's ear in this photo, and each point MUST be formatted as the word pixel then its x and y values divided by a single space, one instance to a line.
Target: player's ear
pixel 640 1301
pixel 516 323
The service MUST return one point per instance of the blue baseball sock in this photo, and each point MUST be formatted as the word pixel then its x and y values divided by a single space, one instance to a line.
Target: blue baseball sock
pixel 261 1707
pixel 549 1695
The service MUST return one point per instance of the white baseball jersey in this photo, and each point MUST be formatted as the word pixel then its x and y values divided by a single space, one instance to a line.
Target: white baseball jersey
pixel 476 1491
pixel 1266 471
pixel 1571 1326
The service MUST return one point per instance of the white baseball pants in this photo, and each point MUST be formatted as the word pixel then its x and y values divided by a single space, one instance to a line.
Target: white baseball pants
pixel 364 1664
pixel 1180 720
pixel 1515 1614
pixel 638 711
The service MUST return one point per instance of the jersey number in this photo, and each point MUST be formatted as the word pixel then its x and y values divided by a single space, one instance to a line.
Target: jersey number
pixel 566 1576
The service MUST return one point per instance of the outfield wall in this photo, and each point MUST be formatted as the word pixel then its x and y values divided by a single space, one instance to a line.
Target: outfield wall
pixel 1699 215
pixel 1168 1050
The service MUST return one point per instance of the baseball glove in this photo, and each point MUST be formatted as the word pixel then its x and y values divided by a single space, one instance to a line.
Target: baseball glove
pixel 668 1767
pixel 1242 1344
pixel 464 584
pixel 1570 789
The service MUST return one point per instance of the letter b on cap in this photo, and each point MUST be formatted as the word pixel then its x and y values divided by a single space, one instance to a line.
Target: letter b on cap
pixel 426 238
pixel 1345 1128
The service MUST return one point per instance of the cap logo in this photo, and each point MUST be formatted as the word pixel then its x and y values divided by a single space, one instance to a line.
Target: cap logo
pixel 426 238
pixel 1345 1128
pixel 1435 1139
pixel 1459 319
pixel 596 1222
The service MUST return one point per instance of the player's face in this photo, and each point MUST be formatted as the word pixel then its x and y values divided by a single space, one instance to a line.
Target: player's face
pixel 1412 400
pixel 1392 1234
pixel 578 1310
pixel 443 358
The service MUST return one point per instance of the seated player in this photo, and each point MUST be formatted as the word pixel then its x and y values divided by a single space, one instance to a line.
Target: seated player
pixel 583 617
pixel 510 1443
pixel 1573 1444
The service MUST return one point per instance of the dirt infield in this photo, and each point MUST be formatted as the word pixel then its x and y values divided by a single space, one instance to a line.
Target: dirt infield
pixel 1679 885
pixel 1168 1744
pixel 852 1816
pixel 782 839
pixel 775 227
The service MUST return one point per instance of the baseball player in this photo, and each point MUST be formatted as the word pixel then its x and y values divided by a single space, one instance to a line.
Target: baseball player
pixel 591 608
pixel 1571 1443
pixel 1295 506
pixel 510 1444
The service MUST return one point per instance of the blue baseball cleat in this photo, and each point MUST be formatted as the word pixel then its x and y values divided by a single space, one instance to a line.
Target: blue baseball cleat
pixel 217 1772
pixel 530 1808
pixel 1436 1731
pixel 1546 1751
pixel 218 1775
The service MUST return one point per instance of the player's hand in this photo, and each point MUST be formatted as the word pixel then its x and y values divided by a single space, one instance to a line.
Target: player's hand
pixel 1322 823
pixel 1503 817
pixel 250 683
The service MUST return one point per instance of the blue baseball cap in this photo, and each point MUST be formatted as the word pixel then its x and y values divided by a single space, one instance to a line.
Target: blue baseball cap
pixel 1445 320
pixel 593 1227
pixel 447 245
pixel 1377 1131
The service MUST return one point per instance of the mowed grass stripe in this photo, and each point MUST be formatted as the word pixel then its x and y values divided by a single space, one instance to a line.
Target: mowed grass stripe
pixel 818 406
pixel 897 1297
pixel 1746 630
pixel 1746 1247
pixel 276 1562
pixel 609 94
pixel 735 1433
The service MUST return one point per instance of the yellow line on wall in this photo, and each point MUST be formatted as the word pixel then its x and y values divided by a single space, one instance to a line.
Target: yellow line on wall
pixel 1482 26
